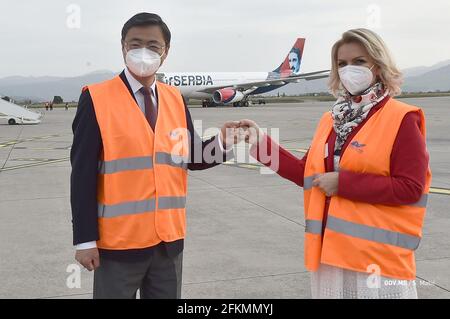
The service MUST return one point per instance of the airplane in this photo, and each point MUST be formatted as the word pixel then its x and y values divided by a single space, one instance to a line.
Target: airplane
pixel 233 88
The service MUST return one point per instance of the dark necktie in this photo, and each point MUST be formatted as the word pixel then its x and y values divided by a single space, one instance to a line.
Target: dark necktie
pixel 151 113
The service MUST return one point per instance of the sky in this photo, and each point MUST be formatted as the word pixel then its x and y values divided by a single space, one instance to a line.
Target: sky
pixel 71 38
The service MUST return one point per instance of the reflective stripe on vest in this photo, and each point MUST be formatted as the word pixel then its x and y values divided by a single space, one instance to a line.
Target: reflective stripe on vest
pixel 144 206
pixel 308 182
pixel 128 208
pixel 125 164
pixel 313 226
pixel 145 162
pixel 171 202
pixel 171 159
pixel 371 233
pixel 422 201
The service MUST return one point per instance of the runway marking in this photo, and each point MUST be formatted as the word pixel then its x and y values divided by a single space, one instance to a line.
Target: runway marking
pixel 8 144
pixel 59 160
pixel 438 190
pixel 301 150
pixel 43 148
pixel 13 142
pixel 32 159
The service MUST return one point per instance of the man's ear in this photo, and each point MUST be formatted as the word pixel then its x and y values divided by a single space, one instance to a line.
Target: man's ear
pixel 166 53
pixel 124 50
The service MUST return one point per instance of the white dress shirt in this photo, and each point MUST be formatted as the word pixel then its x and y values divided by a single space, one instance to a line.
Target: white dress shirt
pixel 135 87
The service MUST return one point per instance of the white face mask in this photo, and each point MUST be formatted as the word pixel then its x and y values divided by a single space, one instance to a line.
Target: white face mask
pixel 355 78
pixel 143 62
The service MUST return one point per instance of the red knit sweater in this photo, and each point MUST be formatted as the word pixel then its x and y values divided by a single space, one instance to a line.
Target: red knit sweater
pixel 409 163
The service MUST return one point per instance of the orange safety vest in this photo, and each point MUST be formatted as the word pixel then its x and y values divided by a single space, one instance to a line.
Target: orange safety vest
pixel 142 177
pixel 360 236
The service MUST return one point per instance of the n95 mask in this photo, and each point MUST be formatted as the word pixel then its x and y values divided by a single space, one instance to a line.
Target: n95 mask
pixel 356 78
pixel 143 62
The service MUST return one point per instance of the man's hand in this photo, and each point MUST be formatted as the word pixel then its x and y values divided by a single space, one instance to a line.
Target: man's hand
pixel 328 183
pixel 252 132
pixel 230 134
pixel 88 258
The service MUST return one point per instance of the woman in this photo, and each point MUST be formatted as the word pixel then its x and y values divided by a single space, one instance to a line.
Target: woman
pixel 365 177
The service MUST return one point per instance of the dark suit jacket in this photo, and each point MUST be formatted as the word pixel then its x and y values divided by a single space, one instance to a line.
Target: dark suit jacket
pixel 84 155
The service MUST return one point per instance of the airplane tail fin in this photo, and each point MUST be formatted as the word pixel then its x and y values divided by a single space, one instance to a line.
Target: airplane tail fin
pixel 292 62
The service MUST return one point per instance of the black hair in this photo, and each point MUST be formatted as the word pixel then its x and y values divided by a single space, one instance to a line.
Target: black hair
pixel 147 19
pixel 296 51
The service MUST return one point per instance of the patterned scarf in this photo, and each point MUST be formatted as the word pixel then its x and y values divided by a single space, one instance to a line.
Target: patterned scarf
pixel 349 111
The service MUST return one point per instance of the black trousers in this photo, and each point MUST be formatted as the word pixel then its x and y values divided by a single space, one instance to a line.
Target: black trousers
pixel 157 276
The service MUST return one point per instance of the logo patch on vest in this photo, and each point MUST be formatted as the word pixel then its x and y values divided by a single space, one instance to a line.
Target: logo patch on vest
pixel 357 146
pixel 173 134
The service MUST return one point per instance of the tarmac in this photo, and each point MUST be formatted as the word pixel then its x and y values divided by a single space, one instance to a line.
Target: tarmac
pixel 245 228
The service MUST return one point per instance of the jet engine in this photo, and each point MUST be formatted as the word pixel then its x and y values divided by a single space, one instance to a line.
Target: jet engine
pixel 227 95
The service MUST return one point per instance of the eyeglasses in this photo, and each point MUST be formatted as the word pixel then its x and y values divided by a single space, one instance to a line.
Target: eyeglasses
pixel 152 46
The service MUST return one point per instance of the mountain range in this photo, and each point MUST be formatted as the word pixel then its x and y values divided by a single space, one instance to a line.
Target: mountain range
pixel 417 79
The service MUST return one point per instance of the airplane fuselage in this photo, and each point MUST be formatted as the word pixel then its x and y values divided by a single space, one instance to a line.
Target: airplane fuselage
pixel 190 83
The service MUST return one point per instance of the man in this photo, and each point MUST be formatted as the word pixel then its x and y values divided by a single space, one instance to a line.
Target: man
pixel 294 60
pixel 133 143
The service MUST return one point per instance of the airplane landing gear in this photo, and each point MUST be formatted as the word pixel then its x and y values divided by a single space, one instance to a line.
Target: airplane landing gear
pixel 206 103
pixel 241 104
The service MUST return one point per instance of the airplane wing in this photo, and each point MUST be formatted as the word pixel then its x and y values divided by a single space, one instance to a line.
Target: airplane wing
pixel 270 81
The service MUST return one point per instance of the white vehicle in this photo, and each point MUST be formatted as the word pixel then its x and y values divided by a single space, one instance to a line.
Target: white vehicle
pixel 16 114
pixel 234 88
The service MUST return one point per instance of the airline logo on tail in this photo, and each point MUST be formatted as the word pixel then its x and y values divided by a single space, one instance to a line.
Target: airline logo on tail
pixel 292 62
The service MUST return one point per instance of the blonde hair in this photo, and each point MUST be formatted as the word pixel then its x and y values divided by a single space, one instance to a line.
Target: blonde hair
pixel 389 75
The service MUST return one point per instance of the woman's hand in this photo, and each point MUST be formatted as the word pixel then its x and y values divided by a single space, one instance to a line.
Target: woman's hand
pixel 229 134
pixel 328 183
pixel 251 131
